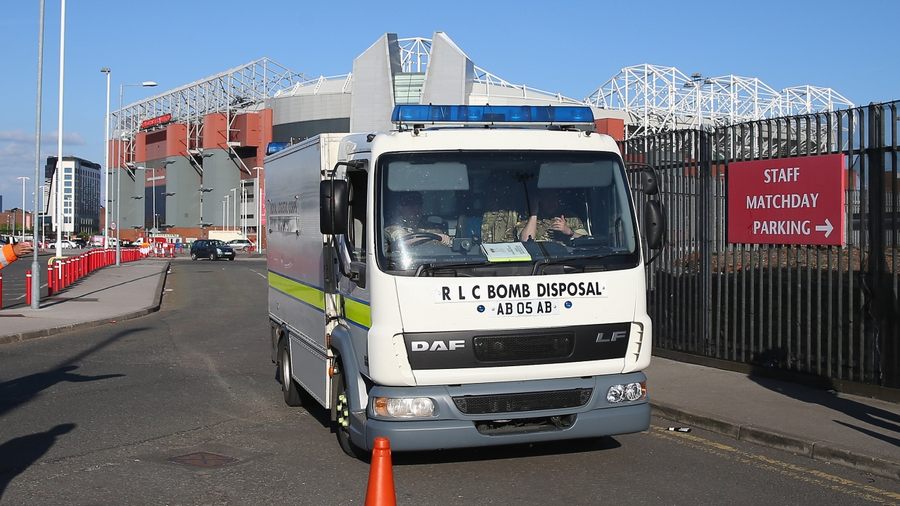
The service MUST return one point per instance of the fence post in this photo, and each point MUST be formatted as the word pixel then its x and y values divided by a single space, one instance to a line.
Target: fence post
pixel 707 235
pixel 878 287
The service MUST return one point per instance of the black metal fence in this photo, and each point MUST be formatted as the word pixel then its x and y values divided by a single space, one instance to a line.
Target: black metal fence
pixel 830 311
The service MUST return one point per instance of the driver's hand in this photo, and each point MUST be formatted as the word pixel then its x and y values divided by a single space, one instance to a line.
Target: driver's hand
pixel 559 224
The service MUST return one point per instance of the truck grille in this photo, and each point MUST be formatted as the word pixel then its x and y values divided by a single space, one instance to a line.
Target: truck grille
pixel 529 401
pixel 529 347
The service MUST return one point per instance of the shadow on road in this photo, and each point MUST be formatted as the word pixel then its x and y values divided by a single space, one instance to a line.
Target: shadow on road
pixel 870 415
pixel 17 455
pixel 20 391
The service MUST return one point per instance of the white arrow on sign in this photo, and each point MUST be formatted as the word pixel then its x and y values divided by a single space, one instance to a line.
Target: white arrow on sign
pixel 827 228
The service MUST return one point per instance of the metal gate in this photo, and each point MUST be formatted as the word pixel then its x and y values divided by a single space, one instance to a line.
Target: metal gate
pixel 830 311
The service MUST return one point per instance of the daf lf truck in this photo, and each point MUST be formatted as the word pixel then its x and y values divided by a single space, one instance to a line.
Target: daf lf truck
pixel 474 277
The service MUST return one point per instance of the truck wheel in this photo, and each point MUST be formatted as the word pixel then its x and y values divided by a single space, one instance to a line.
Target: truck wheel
pixel 289 388
pixel 342 423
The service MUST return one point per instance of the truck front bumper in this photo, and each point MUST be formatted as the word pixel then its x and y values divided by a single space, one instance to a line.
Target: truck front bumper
pixel 451 428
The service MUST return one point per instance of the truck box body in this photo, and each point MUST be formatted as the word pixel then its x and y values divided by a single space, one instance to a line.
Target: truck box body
pixel 503 349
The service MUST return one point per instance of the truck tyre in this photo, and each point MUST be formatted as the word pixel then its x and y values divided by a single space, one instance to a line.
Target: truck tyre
pixel 342 419
pixel 289 388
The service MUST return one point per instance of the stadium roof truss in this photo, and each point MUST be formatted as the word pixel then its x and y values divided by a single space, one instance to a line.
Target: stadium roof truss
pixel 236 89
pixel 659 98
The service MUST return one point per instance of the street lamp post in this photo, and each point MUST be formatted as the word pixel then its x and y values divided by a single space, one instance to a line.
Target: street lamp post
pixel 108 72
pixel 234 202
pixel 243 210
pixel 39 201
pixel 59 127
pixel 121 157
pixel 23 179
pixel 35 264
pixel 225 213
pixel 259 204
pixel 153 205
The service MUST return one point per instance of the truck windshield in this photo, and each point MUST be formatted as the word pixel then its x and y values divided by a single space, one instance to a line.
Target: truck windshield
pixel 483 213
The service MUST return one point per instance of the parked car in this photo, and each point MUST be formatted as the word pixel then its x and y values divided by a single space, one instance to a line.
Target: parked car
pixel 212 249
pixel 240 244
pixel 64 244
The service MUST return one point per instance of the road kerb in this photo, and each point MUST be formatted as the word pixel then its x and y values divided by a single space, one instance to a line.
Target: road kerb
pixel 818 450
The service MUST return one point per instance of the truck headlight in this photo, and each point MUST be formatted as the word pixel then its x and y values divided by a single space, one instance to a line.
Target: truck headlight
pixel 404 407
pixel 615 394
pixel 627 392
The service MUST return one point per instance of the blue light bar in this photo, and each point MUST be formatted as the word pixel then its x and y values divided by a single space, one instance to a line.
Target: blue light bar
pixel 492 114
pixel 275 147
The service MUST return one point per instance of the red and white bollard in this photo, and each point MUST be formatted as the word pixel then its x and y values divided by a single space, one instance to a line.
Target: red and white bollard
pixel 28 288
pixel 51 282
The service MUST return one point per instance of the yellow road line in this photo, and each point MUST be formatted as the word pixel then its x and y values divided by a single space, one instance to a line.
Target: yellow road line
pixel 813 476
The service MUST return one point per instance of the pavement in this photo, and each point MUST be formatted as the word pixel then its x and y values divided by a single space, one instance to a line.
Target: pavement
pixel 853 431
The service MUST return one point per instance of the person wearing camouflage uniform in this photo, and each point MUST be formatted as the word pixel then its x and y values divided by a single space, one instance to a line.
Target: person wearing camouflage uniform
pixel 554 225
pixel 499 226
pixel 509 226
pixel 558 228
pixel 409 221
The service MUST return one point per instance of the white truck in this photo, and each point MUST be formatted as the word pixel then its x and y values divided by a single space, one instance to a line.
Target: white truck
pixel 409 297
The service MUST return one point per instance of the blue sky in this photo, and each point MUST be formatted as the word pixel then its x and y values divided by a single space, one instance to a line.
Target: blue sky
pixel 568 47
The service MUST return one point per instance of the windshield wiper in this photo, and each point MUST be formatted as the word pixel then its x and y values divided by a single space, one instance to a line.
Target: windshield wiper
pixel 433 266
pixel 568 261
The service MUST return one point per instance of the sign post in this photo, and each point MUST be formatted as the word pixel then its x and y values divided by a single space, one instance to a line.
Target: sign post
pixel 798 200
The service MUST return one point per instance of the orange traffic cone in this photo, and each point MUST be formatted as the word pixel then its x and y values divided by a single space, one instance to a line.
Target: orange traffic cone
pixel 381 478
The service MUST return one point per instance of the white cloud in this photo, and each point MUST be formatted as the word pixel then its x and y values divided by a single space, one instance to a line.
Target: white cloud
pixel 17 159
pixel 21 136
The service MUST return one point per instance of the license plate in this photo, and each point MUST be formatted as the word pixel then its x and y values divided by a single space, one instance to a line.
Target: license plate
pixel 525 308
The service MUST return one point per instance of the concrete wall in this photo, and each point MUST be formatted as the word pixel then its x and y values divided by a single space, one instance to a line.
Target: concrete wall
pixel 450 73
pixel 373 85
pixel 221 174
pixel 183 208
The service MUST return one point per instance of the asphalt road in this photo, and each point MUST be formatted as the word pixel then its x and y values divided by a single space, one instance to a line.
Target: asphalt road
pixel 96 417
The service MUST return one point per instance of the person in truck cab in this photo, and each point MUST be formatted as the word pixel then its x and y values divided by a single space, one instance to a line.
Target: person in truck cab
pixel 548 222
pixel 9 253
pixel 408 225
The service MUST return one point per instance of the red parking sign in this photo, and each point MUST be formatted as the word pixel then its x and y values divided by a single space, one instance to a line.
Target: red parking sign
pixel 797 200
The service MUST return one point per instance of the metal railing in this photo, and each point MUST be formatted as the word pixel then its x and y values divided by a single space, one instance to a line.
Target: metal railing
pixel 830 311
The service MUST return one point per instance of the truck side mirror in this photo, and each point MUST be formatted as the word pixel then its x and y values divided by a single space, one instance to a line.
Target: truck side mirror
pixel 649 181
pixel 654 224
pixel 333 206
pixel 649 184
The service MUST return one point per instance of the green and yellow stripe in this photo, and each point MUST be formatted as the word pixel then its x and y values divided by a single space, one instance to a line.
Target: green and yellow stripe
pixel 356 311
